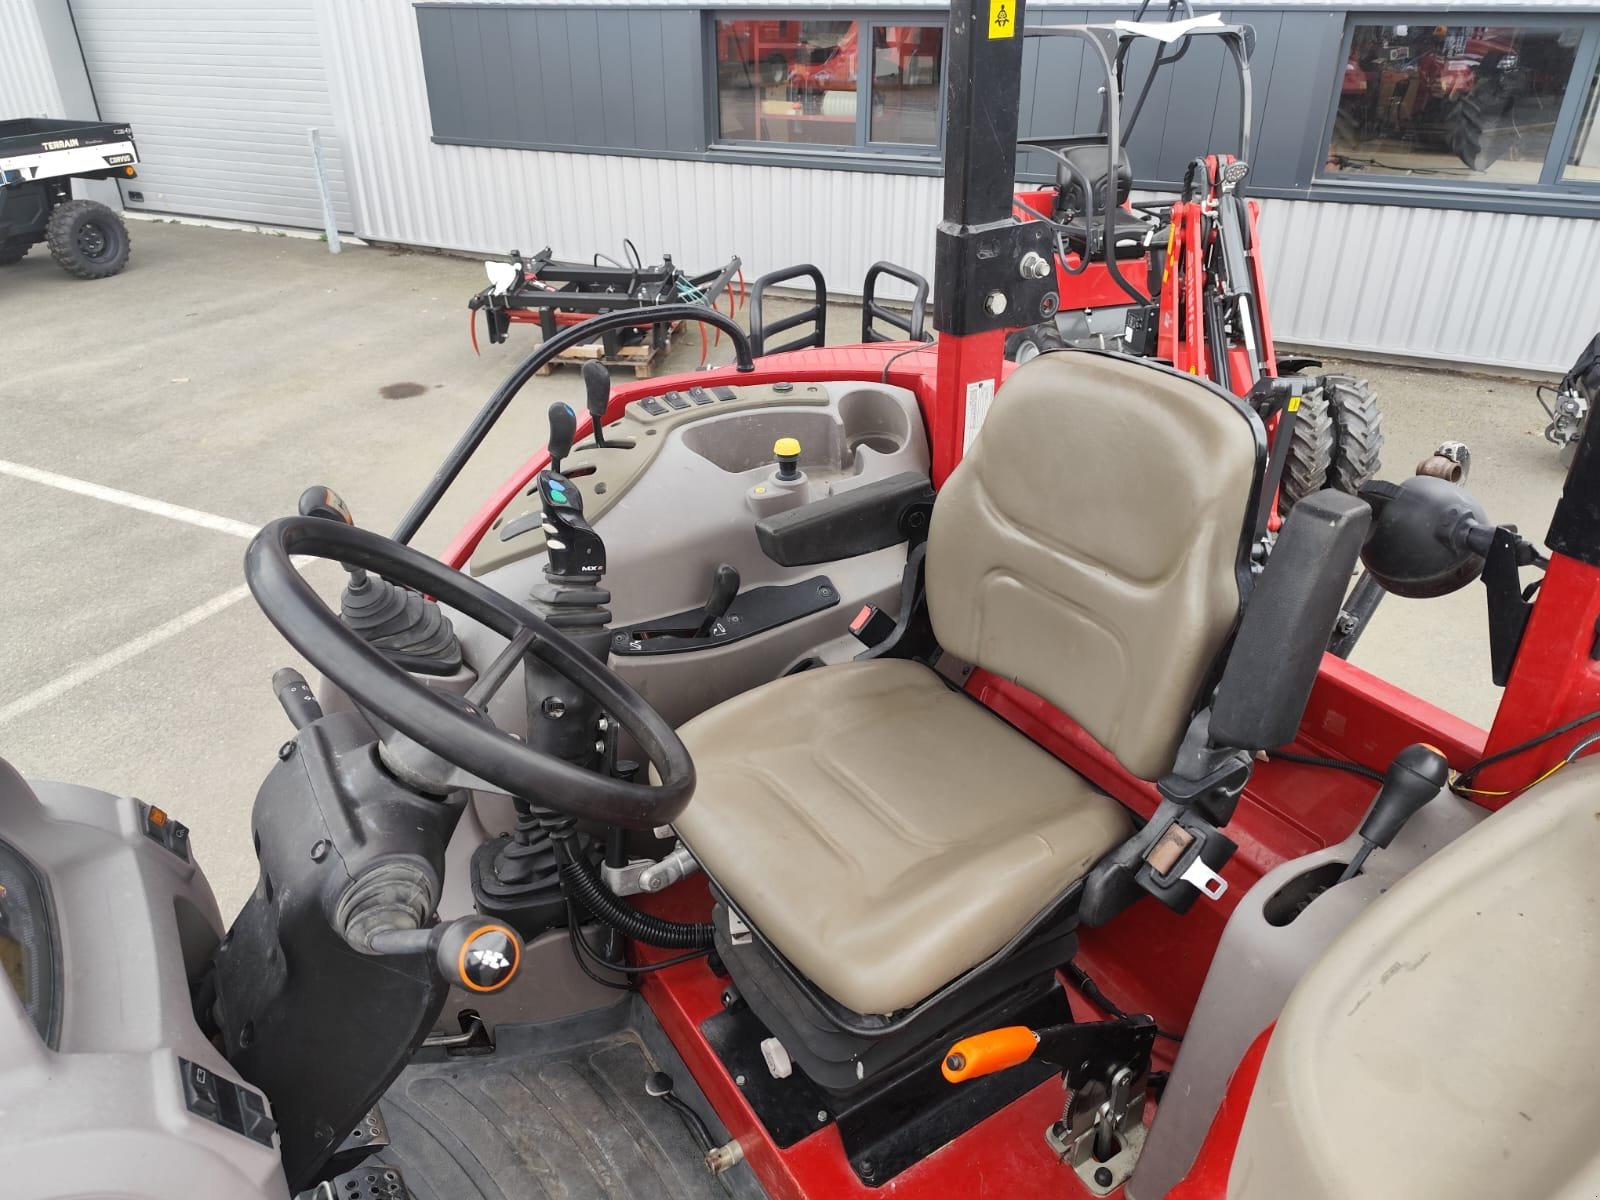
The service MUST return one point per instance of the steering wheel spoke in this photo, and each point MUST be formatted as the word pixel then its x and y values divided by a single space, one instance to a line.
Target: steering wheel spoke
pixel 455 729
pixel 493 677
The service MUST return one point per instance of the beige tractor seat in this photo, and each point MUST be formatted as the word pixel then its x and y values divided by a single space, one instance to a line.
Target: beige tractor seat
pixel 883 831
pixel 1443 1045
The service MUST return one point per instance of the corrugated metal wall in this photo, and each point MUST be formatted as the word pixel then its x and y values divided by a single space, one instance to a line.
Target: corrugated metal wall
pixel 1496 289
pixel 482 199
pixel 221 98
pixel 1471 287
pixel 27 83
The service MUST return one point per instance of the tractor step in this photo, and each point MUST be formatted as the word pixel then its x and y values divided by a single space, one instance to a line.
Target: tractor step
pixel 562 1105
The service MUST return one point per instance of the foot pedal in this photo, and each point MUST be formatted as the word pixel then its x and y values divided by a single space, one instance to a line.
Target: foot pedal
pixel 375 1182
pixel 364 1140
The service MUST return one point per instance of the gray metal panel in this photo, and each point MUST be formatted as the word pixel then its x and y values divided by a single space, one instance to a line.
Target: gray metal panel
pixel 220 98
pixel 1497 289
pixel 535 76
pixel 27 82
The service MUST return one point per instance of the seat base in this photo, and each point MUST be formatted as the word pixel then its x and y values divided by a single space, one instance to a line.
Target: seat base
pixel 841 1060
pixel 895 1120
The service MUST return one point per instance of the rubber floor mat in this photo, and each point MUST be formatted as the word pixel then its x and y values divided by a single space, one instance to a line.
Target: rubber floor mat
pixel 558 1110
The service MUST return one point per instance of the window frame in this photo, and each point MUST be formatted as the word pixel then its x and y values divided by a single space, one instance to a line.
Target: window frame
pixel 863 151
pixel 1417 192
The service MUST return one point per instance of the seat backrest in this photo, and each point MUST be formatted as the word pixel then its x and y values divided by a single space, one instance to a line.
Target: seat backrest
pixel 1093 543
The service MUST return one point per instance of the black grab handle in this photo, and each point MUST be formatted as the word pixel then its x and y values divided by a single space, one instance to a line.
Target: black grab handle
pixel 816 315
pixel 911 324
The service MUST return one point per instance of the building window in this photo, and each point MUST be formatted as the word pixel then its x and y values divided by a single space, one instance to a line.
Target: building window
pixel 1583 164
pixel 1451 102
pixel 806 83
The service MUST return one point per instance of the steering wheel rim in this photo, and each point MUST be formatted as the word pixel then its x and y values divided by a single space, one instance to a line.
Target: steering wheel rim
pixel 456 735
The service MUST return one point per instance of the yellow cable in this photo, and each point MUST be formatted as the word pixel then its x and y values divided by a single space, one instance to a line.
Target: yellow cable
pixel 1466 791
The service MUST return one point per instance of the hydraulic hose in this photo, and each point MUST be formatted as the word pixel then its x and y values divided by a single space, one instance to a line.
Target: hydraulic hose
pixel 582 884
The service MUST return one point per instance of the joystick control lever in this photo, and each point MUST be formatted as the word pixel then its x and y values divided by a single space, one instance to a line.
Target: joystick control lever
pixel 597 385
pixel 724 587
pixel 1413 778
pixel 563 426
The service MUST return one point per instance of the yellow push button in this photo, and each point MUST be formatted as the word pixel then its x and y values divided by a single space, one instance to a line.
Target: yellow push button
pixel 787 452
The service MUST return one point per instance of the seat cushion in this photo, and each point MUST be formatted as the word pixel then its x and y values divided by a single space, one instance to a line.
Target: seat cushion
pixel 882 831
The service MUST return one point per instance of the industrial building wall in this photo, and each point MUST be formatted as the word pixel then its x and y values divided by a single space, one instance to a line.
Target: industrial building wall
pixel 1436 283
pixel 27 80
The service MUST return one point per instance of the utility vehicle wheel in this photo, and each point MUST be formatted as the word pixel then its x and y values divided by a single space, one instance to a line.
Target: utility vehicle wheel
pixel 1357 431
pixel 87 239
pixel 12 252
pixel 1029 343
pixel 1310 452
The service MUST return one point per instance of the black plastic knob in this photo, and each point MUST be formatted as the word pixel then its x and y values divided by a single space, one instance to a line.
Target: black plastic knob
pixel 319 501
pixel 1414 777
pixel 563 427
pixel 597 396
pixel 478 954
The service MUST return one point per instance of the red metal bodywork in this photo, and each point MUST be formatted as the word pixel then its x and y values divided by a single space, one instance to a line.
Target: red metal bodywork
pixel 1092 287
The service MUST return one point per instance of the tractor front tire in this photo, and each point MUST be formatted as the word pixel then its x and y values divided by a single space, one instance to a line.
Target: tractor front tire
pixel 1029 343
pixel 1310 452
pixel 87 239
pixel 12 253
pixel 1357 431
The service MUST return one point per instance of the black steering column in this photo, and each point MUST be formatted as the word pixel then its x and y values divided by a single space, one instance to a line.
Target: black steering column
pixel 338 965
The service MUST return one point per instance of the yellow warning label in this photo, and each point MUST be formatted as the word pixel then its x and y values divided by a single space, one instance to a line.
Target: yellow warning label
pixel 1002 18
pixel 1294 403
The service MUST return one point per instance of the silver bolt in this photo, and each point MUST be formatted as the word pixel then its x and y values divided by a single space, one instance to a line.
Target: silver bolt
pixel 600 746
pixel 995 303
pixel 739 1079
pixel 822 1116
pixel 554 707
pixel 1034 266
pixel 602 724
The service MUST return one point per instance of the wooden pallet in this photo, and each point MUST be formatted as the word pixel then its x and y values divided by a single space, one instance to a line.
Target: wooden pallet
pixel 643 359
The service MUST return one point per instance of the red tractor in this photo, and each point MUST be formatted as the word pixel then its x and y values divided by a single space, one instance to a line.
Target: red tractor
pixel 1182 281
pixel 834 776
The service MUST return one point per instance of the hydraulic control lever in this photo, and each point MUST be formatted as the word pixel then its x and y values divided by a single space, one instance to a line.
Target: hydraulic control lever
pixel 563 427
pixel 1413 778
pixel 724 587
pixel 412 631
pixel 473 953
pixel 597 387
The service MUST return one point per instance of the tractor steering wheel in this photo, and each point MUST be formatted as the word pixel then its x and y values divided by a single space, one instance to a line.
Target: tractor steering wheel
pixel 457 732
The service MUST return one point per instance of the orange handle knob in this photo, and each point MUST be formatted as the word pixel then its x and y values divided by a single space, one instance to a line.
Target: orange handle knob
pixel 985 1053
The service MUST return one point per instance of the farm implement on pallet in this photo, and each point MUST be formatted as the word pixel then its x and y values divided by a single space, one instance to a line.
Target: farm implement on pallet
pixel 556 295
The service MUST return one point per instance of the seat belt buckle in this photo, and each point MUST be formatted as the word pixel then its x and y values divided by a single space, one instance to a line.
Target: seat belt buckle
pixel 871 626
pixel 1185 862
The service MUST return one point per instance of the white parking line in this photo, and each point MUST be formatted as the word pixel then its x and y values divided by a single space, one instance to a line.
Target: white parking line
pixel 112 659
pixel 159 508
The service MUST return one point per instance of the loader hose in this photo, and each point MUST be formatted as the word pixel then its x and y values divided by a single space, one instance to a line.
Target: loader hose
pixel 584 885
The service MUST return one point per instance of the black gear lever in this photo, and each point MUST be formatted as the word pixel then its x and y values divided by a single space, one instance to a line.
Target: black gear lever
pixel 1413 778
pixel 563 425
pixel 597 382
pixel 724 587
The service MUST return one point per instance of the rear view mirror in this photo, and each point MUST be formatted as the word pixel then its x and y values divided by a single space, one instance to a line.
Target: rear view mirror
pixel 1287 622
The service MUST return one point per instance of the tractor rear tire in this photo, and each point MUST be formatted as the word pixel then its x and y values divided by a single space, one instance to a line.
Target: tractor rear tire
pixel 87 239
pixel 1357 431
pixel 1029 343
pixel 12 252
pixel 1310 452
